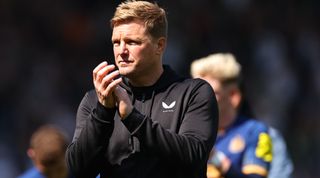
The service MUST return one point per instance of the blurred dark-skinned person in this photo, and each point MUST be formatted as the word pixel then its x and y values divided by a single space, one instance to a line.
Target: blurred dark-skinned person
pixel 47 151
pixel 245 147
pixel 142 119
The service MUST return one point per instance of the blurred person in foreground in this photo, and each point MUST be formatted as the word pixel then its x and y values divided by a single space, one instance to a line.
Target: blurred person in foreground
pixel 245 147
pixel 47 152
pixel 149 122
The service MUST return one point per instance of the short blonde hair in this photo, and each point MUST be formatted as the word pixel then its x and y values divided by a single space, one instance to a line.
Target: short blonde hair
pixel 151 14
pixel 222 66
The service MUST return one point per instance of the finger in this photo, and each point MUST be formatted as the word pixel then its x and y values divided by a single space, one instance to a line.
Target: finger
pixel 98 68
pixel 103 72
pixel 111 87
pixel 108 79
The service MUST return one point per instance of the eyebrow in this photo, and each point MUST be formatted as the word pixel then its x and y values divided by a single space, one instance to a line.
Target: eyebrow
pixel 128 38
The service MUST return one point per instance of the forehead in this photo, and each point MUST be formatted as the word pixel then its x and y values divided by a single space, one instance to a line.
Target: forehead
pixel 131 28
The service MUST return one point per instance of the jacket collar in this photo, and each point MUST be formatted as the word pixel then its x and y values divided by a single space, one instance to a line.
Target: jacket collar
pixel 167 77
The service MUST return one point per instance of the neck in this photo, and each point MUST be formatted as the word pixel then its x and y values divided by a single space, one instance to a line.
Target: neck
pixel 147 78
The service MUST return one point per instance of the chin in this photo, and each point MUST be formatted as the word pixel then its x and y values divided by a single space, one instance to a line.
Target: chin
pixel 125 71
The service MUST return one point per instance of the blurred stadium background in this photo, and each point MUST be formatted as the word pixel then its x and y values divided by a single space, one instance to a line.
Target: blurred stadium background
pixel 48 49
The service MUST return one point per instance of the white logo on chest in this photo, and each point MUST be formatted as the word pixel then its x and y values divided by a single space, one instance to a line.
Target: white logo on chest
pixel 170 106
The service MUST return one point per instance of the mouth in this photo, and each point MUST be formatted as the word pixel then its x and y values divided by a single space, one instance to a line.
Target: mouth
pixel 124 63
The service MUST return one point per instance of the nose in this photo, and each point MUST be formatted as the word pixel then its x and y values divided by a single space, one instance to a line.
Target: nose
pixel 123 48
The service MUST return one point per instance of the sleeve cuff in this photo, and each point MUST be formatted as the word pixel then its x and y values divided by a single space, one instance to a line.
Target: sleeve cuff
pixel 134 121
pixel 104 114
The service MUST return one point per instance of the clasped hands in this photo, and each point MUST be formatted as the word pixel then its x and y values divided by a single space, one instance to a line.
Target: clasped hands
pixel 109 93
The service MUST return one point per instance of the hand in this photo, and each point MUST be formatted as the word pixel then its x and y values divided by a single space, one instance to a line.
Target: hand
pixel 105 83
pixel 213 172
pixel 123 101
pixel 220 161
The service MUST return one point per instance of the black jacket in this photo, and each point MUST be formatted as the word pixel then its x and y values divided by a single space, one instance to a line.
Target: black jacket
pixel 169 133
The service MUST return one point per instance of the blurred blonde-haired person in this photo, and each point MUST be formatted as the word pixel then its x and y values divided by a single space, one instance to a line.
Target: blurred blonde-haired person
pixel 245 147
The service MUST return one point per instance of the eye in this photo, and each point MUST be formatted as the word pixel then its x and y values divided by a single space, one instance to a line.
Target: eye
pixel 116 42
pixel 133 42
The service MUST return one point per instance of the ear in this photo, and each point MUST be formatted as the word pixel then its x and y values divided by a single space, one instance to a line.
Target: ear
pixel 236 97
pixel 31 153
pixel 161 45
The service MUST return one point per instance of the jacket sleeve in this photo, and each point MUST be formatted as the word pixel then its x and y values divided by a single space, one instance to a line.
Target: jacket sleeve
pixel 191 144
pixel 86 152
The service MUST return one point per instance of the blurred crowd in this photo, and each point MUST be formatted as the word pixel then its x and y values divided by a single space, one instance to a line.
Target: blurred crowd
pixel 48 49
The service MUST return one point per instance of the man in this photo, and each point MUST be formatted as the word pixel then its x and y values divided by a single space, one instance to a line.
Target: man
pixel 149 122
pixel 47 152
pixel 243 147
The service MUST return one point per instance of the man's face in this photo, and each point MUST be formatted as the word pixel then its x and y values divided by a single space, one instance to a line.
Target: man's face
pixel 135 51
pixel 223 96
